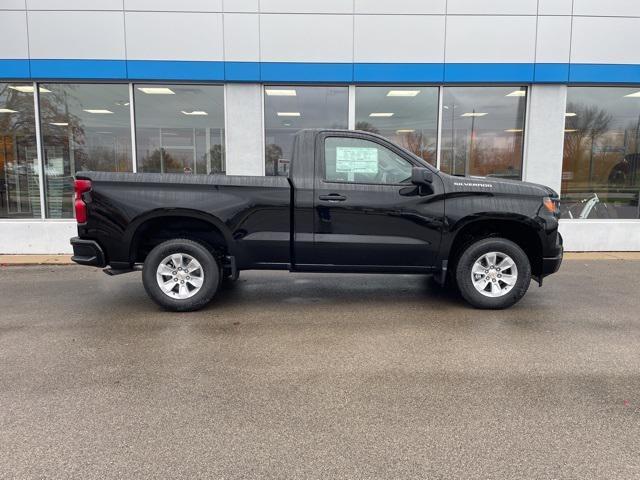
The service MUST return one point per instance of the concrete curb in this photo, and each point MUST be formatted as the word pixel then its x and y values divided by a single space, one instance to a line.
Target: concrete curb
pixel 35 260
pixel 66 259
pixel 602 256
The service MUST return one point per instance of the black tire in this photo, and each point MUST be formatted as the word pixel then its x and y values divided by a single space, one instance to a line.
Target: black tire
pixel 210 267
pixel 474 252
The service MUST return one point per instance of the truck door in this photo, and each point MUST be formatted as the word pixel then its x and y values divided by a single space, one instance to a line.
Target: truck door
pixel 366 211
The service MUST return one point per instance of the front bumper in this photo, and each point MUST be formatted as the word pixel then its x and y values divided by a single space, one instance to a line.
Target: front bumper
pixel 552 264
pixel 87 252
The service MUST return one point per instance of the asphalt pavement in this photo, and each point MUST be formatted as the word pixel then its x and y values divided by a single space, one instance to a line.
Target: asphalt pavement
pixel 319 376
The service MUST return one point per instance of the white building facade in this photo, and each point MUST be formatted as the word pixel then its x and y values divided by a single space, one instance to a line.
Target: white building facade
pixel 546 91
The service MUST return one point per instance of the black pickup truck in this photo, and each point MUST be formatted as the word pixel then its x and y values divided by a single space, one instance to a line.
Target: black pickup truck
pixel 353 202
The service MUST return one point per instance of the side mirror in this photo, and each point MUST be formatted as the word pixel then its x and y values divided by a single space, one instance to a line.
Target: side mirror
pixel 421 176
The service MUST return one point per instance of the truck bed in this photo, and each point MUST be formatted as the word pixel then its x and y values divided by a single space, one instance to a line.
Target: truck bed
pixel 239 207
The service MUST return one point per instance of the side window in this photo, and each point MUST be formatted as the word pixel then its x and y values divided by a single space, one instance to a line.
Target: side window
pixel 355 160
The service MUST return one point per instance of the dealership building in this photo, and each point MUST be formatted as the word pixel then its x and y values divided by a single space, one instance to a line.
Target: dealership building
pixel 546 91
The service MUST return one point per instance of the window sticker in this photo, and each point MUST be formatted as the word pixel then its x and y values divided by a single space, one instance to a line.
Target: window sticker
pixel 356 160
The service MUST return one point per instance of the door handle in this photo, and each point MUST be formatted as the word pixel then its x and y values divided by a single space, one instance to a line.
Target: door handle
pixel 332 197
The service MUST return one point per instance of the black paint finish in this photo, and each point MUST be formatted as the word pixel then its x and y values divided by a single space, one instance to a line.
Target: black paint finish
pixel 305 223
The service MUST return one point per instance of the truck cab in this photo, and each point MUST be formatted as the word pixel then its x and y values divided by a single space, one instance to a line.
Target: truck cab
pixel 361 206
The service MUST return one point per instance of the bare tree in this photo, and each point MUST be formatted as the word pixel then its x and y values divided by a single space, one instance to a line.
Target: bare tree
pixel 366 127
pixel 583 130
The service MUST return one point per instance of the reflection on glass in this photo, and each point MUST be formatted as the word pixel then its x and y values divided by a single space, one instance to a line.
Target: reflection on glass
pixel 84 127
pixel 19 187
pixel 408 116
pixel 483 131
pixel 289 109
pixel 180 128
pixel 601 165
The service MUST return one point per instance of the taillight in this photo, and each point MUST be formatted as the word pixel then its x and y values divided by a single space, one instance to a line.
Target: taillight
pixel 81 187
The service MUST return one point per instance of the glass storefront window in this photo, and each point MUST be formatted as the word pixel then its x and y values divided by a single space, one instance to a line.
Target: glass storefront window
pixel 180 128
pixel 19 184
pixel 287 109
pixel 408 116
pixel 84 127
pixel 601 165
pixel 483 131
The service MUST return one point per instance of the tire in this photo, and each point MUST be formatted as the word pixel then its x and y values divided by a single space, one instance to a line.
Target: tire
pixel 194 288
pixel 504 284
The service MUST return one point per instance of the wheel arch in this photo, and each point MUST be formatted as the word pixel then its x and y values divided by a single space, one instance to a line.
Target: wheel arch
pixel 156 226
pixel 521 230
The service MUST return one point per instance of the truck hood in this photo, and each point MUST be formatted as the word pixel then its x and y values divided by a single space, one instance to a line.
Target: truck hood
pixel 492 185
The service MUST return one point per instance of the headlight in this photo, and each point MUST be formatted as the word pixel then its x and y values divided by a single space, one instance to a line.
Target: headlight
pixel 552 205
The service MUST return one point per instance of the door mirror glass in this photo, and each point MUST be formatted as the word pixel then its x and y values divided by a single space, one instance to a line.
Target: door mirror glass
pixel 421 176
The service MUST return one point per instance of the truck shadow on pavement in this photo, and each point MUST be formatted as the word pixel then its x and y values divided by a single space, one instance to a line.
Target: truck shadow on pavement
pixel 284 291
pixel 296 290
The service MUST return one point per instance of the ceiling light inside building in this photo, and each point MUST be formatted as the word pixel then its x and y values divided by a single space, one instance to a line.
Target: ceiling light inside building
pixel 7 110
pixel 405 130
pixel 280 93
pixel 633 95
pixel 517 93
pixel 97 110
pixel 381 114
pixel 570 130
pixel 513 130
pixel 59 124
pixel 288 114
pixel 27 88
pixel 403 93
pixel 570 114
pixel 474 114
pixel 156 90
pixel 195 112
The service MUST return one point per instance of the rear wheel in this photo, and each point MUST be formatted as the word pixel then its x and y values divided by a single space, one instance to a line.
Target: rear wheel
pixel 181 275
pixel 493 273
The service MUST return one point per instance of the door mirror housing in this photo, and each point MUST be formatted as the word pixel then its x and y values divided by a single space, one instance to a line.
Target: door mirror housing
pixel 421 176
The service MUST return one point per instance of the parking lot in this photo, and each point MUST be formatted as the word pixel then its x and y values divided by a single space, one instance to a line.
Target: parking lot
pixel 319 376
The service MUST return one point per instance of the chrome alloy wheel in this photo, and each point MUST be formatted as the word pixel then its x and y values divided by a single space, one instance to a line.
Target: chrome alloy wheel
pixel 180 276
pixel 494 274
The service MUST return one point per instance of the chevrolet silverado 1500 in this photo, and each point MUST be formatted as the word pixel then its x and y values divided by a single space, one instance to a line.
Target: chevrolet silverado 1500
pixel 352 202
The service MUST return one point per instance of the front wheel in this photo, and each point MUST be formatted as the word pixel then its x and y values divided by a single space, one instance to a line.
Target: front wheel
pixel 493 273
pixel 181 275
